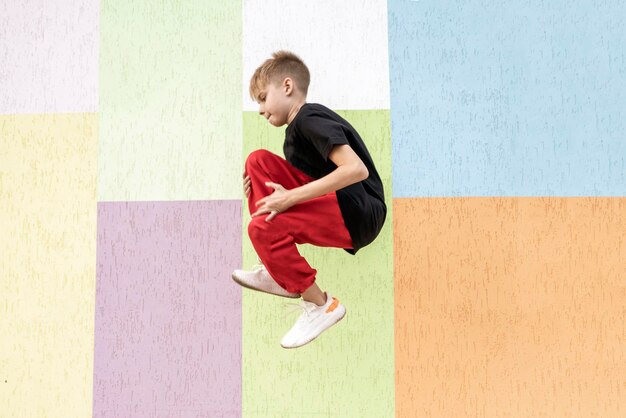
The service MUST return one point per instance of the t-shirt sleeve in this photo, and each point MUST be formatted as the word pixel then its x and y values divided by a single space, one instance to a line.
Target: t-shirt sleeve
pixel 323 133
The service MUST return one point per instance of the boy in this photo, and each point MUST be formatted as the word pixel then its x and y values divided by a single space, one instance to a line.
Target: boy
pixel 327 193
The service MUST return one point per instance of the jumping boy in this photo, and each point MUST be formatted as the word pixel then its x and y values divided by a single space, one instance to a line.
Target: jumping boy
pixel 326 193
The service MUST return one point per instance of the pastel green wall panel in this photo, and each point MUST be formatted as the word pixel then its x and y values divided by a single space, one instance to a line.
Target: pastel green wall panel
pixel 349 370
pixel 170 100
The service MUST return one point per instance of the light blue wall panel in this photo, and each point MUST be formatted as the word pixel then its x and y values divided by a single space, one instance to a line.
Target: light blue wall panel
pixel 508 98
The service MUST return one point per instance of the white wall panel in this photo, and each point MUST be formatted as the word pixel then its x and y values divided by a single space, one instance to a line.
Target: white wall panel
pixel 344 44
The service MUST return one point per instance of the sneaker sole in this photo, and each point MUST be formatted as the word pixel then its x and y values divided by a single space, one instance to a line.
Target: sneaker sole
pixel 242 284
pixel 306 342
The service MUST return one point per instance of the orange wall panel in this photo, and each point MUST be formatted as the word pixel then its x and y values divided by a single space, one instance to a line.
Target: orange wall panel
pixel 510 307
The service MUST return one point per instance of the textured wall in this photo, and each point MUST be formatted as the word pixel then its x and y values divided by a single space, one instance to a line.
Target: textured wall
pixel 167 330
pixel 47 263
pixel 495 289
pixel 494 99
pixel 169 87
pixel 510 307
pixel 117 242
pixel 509 298
pixel 168 319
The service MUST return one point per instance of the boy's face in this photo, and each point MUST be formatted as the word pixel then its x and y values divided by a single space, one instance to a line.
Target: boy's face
pixel 275 103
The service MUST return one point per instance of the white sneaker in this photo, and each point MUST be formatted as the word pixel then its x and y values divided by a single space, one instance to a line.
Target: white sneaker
pixel 313 321
pixel 259 279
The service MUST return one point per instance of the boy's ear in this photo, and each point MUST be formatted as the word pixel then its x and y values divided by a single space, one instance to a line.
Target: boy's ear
pixel 288 85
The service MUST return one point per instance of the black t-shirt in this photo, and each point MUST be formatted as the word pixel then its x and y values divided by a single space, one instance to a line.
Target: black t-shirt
pixel 309 139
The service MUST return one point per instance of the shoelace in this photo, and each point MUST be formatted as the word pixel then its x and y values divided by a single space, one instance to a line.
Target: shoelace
pixel 259 266
pixel 299 307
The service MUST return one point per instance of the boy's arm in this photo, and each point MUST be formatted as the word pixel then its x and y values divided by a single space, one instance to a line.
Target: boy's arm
pixel 350 169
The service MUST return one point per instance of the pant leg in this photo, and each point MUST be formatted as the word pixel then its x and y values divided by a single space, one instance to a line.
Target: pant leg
pixel 263 166
pixel 317 221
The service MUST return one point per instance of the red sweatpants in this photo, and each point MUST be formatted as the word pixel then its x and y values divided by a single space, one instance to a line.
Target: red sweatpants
pixel 317 221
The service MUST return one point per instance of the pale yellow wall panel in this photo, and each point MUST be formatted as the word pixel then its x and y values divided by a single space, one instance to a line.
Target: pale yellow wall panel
pixel 48 168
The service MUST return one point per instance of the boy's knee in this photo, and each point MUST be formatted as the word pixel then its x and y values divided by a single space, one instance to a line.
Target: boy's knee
pixel 257 156
pixel 257 228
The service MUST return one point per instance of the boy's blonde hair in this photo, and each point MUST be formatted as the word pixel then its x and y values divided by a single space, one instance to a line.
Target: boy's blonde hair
pixel 282 64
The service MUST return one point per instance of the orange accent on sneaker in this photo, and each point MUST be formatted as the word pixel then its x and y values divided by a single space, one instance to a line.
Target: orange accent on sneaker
pixel 333 305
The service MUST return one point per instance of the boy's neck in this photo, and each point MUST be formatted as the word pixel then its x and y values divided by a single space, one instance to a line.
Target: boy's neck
pixel 295 109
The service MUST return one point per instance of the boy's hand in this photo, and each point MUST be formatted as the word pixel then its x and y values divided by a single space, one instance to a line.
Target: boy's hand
pixel 246 185
pixel 275 203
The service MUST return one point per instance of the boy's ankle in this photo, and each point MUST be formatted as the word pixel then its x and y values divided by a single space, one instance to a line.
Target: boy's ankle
pixel 323 300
